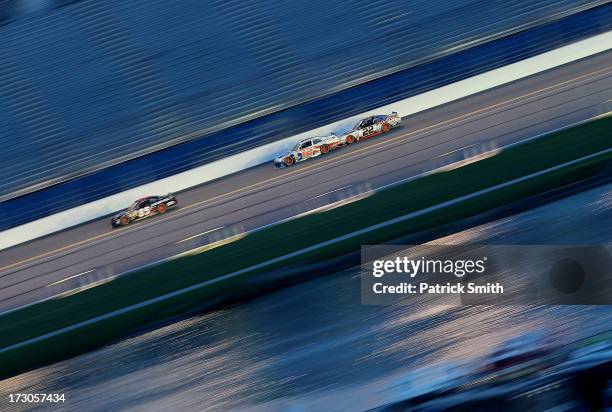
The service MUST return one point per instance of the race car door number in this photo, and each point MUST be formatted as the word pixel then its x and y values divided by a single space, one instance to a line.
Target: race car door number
pixel 145 211
pixel 368 130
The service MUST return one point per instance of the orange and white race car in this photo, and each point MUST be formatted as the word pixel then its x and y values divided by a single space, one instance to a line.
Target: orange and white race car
pixel 307 148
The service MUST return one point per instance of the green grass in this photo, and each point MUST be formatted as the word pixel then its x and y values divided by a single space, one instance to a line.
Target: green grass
pixel 284 238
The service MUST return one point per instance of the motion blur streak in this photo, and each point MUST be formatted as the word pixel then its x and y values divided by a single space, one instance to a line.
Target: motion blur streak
pixel 142 81
pixel 262 154
pixel 30 267
pixel 314 347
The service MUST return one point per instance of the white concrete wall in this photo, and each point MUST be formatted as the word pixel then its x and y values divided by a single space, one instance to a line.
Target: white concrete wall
pixel 266 153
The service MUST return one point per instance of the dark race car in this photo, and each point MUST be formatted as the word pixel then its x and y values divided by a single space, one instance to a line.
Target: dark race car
pixel 143 208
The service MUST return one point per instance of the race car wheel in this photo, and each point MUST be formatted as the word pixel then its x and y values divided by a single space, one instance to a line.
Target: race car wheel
pixel 386 127
pixel 288 161
pixel 324 149
pixel 350 139
pixel 161 208
pixel 124 221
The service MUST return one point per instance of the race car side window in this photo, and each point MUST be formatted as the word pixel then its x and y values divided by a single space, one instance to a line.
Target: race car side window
pixel 316 141
pixel 306 144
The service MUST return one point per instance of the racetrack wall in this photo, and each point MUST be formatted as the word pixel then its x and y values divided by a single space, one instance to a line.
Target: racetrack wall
pixel 210 273
pixel 137 92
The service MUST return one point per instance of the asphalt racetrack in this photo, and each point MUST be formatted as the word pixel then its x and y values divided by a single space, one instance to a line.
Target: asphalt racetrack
pixel 92 253
pixel 313 347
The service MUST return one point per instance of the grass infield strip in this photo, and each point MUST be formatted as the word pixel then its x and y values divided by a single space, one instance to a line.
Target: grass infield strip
pixel 423 201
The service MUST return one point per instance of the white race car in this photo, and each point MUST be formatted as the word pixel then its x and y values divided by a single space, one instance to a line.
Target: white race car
pixel 371 126
pixel 307 148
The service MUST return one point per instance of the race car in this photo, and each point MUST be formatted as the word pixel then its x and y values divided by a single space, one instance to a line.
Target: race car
pixel 307 148
pixel 371 126
pixel 143 208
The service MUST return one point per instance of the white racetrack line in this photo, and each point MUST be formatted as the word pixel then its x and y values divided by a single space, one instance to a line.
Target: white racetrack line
pixel 266 153
pixel 294 254
pixel 323 208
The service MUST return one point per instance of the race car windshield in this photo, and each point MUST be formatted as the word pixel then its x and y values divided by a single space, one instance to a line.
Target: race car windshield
pixel 357 125
pixel 296 147
pixel 134 206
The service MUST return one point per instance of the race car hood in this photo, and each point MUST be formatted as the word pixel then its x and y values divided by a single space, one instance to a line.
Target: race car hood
pixel 118 215
pixel 280 158
pixel 347 132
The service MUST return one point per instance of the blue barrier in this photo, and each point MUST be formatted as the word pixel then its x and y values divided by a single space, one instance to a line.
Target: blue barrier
pixel 306 116
pixel 86 84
